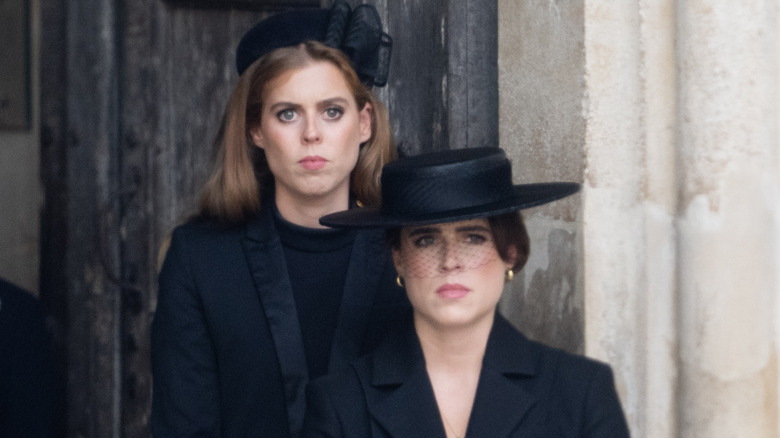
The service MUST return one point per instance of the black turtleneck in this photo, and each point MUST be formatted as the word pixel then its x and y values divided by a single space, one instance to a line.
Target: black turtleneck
pixel 317 261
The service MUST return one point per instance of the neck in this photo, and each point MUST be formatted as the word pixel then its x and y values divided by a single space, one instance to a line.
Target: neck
pixel 456 349
pixel 453 360
pixel 307 211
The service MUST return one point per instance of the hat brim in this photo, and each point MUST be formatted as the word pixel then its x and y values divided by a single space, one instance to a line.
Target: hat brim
pixel 525 196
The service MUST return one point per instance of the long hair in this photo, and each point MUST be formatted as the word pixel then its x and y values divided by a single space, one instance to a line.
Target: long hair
pixel 242 178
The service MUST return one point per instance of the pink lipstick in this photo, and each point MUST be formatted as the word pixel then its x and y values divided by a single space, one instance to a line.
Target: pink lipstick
pixel 313 162
pixel 452 291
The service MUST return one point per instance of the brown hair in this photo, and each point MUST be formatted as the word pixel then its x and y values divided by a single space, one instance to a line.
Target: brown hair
pixel 508 231
pixel 242 178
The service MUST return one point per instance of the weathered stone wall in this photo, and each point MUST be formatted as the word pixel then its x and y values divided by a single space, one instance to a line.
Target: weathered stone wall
pixel 541 83
pixel 667 112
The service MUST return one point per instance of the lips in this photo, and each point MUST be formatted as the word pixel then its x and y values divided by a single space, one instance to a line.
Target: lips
pixel 452 291
pixel 313 162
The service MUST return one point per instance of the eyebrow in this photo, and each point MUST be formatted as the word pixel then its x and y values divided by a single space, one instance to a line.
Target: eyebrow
pixel 472 228
pixel 437 230
pixel 279 105
pixel 424 230
pixel 320 105
pixel 333 101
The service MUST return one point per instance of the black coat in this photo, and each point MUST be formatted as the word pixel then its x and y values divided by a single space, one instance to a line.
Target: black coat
pixel 227 350
pixel 525 389
pixel 27 389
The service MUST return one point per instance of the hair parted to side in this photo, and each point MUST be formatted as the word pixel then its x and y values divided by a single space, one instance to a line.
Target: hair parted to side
pixel 508 231
pixel 241 179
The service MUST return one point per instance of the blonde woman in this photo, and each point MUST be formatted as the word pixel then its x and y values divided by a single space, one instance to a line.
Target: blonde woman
pixel 256 297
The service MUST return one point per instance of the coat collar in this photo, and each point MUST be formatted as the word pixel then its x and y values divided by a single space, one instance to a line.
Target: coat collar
pixel 402 399
pixel 501 401
pixel 265 257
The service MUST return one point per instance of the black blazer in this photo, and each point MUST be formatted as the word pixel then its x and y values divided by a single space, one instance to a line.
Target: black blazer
pixel 27 386
pixel 227 350
pixel 525 389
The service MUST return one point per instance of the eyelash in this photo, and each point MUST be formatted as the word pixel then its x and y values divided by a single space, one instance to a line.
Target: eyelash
pixel 338 110
pixel 424 241
pixel 476 239
pixel 279 115
pixel 471 239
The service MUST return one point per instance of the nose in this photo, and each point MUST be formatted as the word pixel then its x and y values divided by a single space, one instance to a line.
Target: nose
pixel 451 258
pixel 311 131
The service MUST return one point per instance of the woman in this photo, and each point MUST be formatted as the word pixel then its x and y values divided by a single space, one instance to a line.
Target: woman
pixel 457 368
pixel 256 297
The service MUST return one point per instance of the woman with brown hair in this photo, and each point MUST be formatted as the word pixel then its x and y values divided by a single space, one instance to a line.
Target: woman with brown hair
pixel 457 368
pixel 256 297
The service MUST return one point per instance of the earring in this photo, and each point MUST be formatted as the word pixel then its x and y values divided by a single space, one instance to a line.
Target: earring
pixel 399 281
pixel 509 276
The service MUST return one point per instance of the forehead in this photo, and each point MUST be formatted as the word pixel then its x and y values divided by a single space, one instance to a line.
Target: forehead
pixel 317 80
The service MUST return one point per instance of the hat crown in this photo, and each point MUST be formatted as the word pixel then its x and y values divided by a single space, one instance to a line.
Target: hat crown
pixel 449 186
pixel 446 181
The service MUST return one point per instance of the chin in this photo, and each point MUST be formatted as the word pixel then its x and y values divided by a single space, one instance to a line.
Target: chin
pixel 456 320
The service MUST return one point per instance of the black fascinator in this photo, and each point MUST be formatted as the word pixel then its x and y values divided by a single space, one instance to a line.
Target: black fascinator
pixel 358 33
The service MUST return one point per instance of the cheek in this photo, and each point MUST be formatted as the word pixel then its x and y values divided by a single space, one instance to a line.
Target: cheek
pixel 421 264
pixel 493 276
pixel 418 288
pixel 353 154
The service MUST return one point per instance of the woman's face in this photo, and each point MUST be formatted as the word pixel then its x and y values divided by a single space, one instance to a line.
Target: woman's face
pixel 452 272
pixel 311 130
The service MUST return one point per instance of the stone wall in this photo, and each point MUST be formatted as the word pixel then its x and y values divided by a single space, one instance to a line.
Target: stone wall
pixel 667 112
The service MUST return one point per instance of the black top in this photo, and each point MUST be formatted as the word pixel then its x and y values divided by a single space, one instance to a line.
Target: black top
pixel 317 261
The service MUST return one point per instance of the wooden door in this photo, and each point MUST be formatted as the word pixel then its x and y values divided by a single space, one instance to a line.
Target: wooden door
pixel 132 93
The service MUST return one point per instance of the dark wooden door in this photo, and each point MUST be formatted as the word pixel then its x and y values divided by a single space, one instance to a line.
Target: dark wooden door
pixel 132 93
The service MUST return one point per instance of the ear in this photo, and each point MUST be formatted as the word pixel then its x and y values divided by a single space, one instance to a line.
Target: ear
pixel 365 122
pixel 257 136
pixel 398 262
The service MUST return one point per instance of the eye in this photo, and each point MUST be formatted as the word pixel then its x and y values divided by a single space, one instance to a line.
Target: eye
pixel 424 241
pixel 334 112
pixel 286 115
pixel 476 238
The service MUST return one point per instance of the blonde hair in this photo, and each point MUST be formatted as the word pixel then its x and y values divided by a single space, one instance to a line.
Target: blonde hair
pixel 242 179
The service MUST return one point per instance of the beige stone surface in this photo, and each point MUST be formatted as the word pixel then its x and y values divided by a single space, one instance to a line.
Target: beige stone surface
pixel 542 128
pixel 669 112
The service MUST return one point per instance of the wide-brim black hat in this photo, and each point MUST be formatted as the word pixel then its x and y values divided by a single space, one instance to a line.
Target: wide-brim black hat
pixel 356 32
pixel 449 186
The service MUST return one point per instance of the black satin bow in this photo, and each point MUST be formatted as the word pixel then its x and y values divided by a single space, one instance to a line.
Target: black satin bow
pixel 358 33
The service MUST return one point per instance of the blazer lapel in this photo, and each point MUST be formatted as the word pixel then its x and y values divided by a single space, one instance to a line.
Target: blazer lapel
pixel 362 282
pixel 264 255
pixel 399 394
pixel 501 402
pixel 400 397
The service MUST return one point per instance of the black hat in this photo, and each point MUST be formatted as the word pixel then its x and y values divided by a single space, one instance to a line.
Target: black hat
pixel 358 33
pixel 449 186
